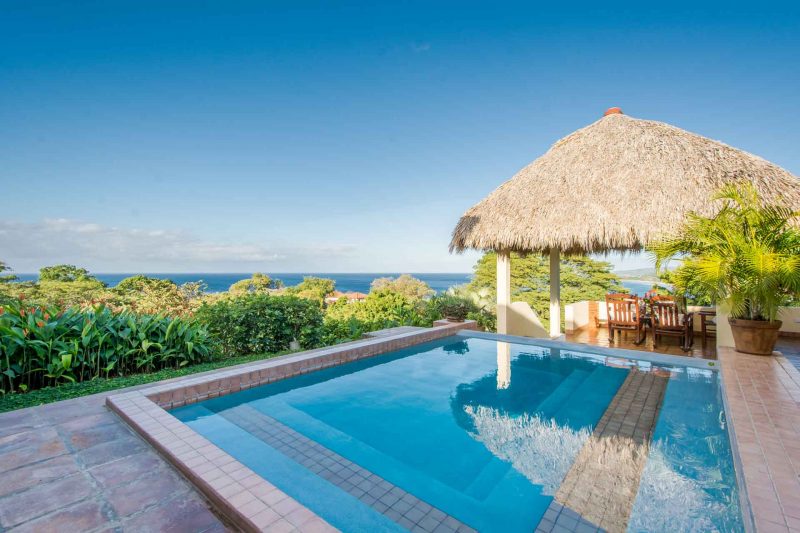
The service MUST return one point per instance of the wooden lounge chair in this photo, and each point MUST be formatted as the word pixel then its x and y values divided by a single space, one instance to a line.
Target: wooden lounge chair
pixel 666 319
pixel 624 314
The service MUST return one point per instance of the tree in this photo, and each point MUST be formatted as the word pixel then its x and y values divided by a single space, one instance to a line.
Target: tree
pixel 148 295
pixel 747 256
pixel 381 308
pixel 582 278
pixel 59 285
pixel 410 287
pixel 690 291
pixel 258 284
pixel 312 288
pixel 6 278
pixel 65 273
pixel 63 293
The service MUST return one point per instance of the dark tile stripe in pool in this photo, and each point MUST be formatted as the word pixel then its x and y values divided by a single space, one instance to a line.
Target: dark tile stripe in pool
pixel 598 492
pixel 386 498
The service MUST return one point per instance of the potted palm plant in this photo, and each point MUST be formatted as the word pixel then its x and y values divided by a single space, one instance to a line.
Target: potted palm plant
pixel 746 257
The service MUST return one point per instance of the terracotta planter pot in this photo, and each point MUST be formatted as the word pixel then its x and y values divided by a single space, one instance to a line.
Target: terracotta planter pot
pixel 454 319
pixel 754 336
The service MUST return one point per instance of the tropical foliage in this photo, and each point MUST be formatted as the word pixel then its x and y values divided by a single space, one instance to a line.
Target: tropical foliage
pixel 148 295
pixel 406 285
pixel 65 273
pixel 454 306
pixel 313 288
pixel 50 293
pixel 262 323
pixel 6 278
pixel 747 256
pixel 382 308
pixel 258 283
pixel 41 346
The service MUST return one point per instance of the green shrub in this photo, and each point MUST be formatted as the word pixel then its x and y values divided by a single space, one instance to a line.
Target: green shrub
pixel 313 288
pixel 455 307
pixel 262 323
pixel 43 346
pixel 382 308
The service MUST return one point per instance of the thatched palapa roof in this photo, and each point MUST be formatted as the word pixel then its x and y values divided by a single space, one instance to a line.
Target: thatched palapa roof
pixel 614 185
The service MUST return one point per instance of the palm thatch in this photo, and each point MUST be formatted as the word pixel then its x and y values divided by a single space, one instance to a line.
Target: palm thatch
pixel 614 185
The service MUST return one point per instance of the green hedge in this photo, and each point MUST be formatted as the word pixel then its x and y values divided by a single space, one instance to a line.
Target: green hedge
pixel 262 323
pixel 66 391
pixel 42 346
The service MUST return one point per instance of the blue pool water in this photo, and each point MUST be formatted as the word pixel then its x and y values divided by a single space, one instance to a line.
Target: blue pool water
pixel 482 430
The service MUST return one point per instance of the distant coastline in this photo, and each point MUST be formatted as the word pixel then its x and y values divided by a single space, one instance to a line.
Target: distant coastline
pixel 638 274
pixel 347 282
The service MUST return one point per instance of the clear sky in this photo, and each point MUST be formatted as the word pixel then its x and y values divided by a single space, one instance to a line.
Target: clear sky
pixel 342 136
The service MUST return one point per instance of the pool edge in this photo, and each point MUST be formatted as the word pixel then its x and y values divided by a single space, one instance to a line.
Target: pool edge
pixel 247 500
pixel 762 399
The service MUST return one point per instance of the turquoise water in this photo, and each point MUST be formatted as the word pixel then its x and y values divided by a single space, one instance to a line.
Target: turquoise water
pixel 483 436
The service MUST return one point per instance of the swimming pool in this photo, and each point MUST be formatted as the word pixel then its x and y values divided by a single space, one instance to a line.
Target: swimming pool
pixel 475 433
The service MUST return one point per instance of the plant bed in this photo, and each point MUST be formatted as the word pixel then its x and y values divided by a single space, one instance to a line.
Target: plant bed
pixel 67 391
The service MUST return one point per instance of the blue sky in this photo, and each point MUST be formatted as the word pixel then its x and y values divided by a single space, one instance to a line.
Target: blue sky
pixel 341 136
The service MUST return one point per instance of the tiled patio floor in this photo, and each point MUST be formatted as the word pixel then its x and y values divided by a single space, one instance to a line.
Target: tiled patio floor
pixel 74 466
pixel 763 396
pixel 670 346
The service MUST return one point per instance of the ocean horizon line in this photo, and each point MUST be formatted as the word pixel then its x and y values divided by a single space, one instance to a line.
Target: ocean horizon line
pixel 231 273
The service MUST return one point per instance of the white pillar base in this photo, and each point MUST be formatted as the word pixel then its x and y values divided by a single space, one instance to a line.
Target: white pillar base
pixel 555 293
pixel 503 291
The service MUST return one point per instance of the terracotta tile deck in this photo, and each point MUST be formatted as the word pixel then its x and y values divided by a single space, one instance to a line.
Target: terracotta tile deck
pixel 763 398
pixel 625 340
pixel 75 466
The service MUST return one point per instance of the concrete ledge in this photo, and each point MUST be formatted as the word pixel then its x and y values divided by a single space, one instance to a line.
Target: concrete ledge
pixel 250 502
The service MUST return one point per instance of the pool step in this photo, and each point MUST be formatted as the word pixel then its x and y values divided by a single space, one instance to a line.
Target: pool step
pixel 584 406
pixel 600 488
pixel 402 507
pixel 487 479
pixel 550 405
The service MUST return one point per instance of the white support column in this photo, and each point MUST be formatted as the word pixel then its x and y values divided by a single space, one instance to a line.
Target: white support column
pixel 503 365
pixel 503 291
pixel 555 293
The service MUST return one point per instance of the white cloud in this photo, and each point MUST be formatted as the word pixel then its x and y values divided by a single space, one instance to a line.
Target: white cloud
pixel 28 246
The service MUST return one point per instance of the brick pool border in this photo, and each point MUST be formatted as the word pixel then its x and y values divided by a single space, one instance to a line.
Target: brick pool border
pixel 247 500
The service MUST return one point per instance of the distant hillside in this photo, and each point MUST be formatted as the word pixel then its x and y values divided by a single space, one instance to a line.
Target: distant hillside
pixel 644 274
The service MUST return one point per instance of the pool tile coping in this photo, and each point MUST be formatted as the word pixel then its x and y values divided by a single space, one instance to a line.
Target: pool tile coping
pixel 247 500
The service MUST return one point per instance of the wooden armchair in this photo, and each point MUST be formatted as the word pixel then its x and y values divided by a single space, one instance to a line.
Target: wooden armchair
pixel 708 325
pixel 666 319
pixel 624 314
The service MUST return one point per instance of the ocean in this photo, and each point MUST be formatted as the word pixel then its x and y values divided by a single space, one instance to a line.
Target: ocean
pixel 344 282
